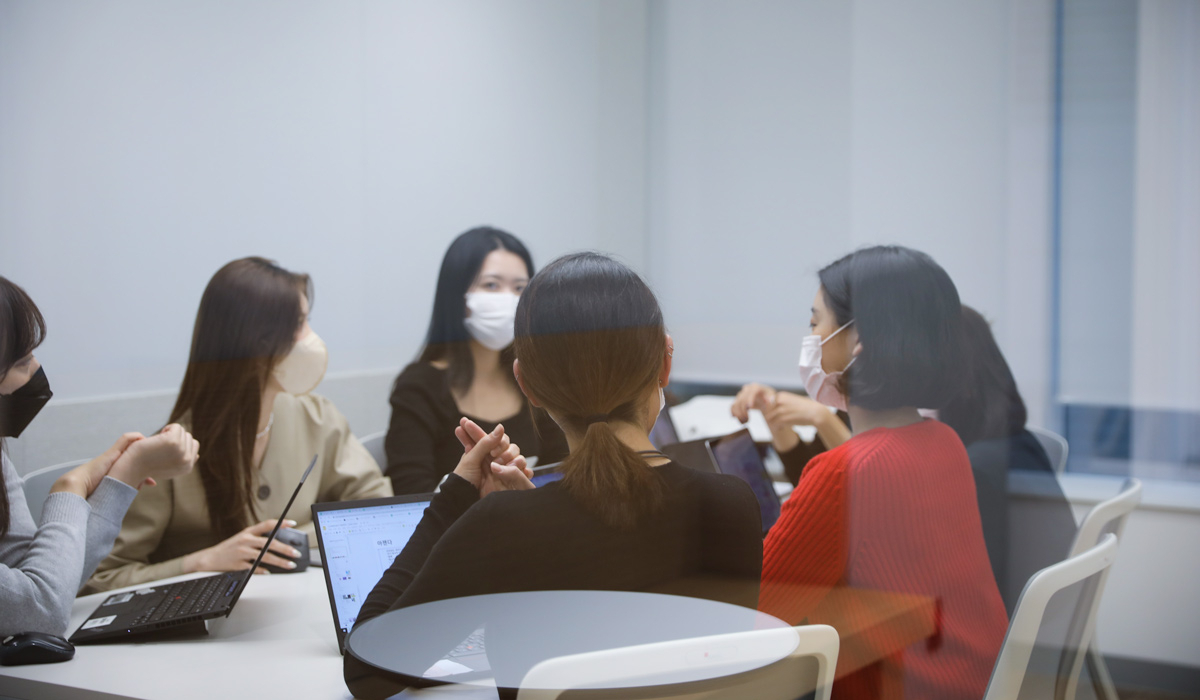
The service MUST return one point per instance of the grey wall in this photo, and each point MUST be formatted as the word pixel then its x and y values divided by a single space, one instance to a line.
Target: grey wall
pixel 146 144
pixel 785 135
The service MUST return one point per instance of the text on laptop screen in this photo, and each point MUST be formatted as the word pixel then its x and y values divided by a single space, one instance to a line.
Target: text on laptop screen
pixel 360 544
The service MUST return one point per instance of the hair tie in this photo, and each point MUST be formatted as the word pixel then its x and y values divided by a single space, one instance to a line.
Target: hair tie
pixel 598 418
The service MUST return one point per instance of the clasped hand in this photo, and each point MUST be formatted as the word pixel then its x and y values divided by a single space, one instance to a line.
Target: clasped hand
pixel 135 460
pixel 490 461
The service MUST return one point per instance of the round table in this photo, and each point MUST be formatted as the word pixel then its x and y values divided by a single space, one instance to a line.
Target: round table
pixel 524 629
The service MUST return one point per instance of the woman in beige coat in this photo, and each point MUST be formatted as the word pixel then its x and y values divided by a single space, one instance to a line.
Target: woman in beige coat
pixel 246 397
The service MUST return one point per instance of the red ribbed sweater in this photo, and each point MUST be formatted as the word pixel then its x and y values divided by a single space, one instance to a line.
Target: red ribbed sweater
pixel 894 510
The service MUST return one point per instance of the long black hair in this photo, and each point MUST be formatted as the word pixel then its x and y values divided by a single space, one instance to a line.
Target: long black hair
pixel 590 338
pixel 447 336
pixel 22 329
pixel 988 405
pixel 909 320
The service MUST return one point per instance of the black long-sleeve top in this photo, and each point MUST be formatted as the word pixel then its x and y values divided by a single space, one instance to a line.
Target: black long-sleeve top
pixel 705 540
pixel 1015 561
pixel 420 443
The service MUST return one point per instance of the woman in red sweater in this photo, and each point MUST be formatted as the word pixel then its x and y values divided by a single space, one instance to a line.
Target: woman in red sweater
pixel 893 508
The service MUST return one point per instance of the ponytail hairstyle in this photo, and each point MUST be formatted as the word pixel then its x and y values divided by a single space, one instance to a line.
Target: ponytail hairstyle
pixel 247 322
pixel 590 341
pixel 22 328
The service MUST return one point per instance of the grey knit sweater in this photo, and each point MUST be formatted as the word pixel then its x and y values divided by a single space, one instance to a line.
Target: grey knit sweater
pixel 43 566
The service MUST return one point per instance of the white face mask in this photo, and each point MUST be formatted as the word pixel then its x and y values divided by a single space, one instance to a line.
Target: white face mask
pixel 492 318
pixel 821 387
pixel 301 370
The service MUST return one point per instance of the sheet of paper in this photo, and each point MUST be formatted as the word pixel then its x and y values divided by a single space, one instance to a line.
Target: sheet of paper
pixel 445 667
pixel 708 416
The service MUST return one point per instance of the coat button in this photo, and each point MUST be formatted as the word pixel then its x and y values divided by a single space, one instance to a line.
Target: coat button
pixel 264 492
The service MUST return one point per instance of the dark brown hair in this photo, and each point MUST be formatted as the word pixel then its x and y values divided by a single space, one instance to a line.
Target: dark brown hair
pixel 590 342
pixel 248 319
pixel 987 405
pixel 22 328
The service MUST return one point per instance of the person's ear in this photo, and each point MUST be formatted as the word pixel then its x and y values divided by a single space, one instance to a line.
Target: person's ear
pixel 521 383
pixel 664 375
pixel 856 350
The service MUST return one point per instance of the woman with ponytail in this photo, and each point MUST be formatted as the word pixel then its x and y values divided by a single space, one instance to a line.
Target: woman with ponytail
pixel 591 349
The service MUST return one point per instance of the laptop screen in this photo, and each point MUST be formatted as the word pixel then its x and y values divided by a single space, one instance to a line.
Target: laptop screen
pixel 663 433
pixel 738 455
pixel 358 544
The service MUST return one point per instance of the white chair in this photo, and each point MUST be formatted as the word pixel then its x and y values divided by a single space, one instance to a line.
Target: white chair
pixel 37 485
pixel 1106 517
pixel 374 445
pixel 1090 569
pixel 639 667
pixel 1055 445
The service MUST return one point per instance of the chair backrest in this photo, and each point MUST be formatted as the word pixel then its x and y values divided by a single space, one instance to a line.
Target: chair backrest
pixel 37 485
pixel 1055 446
pixel 1089 568
pixel 787 676
pixel 1108 516
pixel 374 445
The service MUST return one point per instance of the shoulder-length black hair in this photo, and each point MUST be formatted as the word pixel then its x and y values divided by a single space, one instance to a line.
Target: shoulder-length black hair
pixel 909 320
pixel 447 337
pixel 22 329
pixel 988 406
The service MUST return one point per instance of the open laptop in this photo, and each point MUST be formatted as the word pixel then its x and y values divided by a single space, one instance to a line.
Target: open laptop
pixel 359 540
pixel 663 433
pixel 693 454
pixel 547 474
pixel 737 454
pixel 176 607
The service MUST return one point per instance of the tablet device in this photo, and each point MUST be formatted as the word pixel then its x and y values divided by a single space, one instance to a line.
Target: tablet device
pixel 737 454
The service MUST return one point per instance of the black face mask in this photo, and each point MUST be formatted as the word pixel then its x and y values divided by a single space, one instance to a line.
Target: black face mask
pixel 18 408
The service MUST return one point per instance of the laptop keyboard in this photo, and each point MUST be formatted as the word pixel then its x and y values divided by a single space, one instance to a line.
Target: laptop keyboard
pixel 188 598
pixel 469 646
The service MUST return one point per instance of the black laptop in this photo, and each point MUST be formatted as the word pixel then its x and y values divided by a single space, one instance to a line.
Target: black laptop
pixel 176 607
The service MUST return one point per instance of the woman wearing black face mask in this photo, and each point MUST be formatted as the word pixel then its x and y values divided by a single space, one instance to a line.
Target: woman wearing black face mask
pixel 43 565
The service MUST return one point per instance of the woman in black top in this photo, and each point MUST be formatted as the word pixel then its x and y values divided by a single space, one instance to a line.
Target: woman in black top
pixel 989 417
pixel 591 348
pixel 465 368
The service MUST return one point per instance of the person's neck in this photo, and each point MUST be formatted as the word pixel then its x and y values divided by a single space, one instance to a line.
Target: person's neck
pixel 268 405
pixel 633 437
pixel 487 363
pixel 862 419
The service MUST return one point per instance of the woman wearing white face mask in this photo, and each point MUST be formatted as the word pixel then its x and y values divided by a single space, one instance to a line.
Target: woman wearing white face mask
pixel 465 368
pixel 253 364
pixel 784 410
pixel 892 508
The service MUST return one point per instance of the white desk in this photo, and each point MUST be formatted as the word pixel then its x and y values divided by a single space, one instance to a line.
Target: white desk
pixel 278 643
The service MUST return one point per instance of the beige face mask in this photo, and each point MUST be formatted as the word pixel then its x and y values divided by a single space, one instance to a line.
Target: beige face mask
pixel 301 370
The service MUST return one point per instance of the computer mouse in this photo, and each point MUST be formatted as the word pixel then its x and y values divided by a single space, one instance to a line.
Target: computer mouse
pixel 34 648
pixel 292 538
